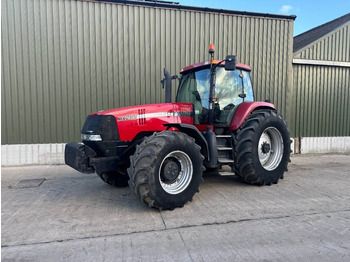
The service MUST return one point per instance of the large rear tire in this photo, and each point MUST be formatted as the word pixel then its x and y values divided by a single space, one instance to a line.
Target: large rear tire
pixel 166 170
pixel 262 148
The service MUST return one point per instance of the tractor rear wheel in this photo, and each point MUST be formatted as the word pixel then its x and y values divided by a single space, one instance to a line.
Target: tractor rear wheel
pixel 115 178
pixel 262 148
pixel 166 170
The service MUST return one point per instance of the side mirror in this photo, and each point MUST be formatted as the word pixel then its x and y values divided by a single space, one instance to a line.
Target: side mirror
pixel 230 63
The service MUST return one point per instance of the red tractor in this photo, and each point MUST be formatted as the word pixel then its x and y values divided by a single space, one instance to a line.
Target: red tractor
pixel 161 150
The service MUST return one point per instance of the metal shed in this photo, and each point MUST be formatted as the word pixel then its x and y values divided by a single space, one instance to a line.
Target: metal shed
pixel 63 59
pixel 321 65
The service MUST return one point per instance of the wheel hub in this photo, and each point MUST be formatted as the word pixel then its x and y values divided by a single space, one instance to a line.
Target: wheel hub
pixel 175 173
pixel 270 148
pixel 171 170
pixel 265 148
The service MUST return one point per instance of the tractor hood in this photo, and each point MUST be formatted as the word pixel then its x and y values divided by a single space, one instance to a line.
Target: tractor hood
pixel 148 118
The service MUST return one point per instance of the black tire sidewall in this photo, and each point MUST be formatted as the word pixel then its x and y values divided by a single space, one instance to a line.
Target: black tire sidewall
pixel 192 188
pixel 278 123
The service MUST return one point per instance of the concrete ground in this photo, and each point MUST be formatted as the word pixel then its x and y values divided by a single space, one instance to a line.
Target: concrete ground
pixel 52 213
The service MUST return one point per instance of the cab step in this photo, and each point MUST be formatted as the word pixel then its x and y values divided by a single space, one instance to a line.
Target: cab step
pixel 226 173
pixel 222 148
pixel 223 136
pixel 225 161
pixel 225 150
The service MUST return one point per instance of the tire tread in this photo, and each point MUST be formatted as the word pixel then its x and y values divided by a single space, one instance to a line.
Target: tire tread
pixel 243 144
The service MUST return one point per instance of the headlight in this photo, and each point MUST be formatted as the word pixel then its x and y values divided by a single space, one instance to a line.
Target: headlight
pixel 85 137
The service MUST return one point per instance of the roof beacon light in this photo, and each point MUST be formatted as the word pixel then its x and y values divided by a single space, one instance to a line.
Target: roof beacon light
pixel 211 49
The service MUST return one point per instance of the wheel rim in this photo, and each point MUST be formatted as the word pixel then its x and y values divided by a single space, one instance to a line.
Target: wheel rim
pixel 270 148
pixel 175 172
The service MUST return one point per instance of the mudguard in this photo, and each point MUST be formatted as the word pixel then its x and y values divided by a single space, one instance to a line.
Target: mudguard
pixel 193 132
pixel 244 110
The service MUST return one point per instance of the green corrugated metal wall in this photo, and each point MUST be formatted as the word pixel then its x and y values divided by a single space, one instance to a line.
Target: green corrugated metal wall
pixel 322 101
pixel 332 47
pixel 63 59
pixel 322 93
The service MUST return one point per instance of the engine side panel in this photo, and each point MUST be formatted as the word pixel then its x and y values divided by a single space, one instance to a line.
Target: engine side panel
pixel 244 110
pixel 149 118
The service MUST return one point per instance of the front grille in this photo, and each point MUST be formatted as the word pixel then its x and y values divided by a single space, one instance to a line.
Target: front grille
pixel 103 125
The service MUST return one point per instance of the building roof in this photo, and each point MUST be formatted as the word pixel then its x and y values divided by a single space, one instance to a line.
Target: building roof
pixel 176 5
pixel 304 39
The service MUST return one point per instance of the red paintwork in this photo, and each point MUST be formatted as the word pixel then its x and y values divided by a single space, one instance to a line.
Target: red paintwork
pixel 244 110
pixel 203 127
pixel 201 64
pixel 144 118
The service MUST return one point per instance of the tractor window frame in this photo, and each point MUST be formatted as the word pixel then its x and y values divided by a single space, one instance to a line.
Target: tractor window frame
pixel 194 88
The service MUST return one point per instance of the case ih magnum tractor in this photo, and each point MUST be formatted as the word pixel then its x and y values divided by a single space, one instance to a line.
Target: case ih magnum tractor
pixel 161 150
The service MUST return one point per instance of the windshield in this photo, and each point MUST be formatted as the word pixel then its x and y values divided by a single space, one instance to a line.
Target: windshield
pixel 194 88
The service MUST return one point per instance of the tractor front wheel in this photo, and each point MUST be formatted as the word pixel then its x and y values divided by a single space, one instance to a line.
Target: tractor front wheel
pixel 166 170
pixel 262 148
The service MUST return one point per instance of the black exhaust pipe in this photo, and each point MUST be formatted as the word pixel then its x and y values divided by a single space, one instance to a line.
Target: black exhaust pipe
pixel 167 81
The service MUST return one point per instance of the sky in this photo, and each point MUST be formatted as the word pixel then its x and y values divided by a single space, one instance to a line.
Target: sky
pixel 310 13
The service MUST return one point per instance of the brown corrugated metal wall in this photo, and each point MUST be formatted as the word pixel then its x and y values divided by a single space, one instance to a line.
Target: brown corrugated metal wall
pixel 63 59
pixel 322 92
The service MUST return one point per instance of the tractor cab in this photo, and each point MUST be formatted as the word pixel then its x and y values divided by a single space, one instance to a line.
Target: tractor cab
pixel 231 88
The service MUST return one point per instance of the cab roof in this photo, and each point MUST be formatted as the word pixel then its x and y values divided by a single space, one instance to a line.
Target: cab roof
pixel 207 63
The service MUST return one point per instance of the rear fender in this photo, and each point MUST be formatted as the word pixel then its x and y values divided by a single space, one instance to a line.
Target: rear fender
pixel 244 110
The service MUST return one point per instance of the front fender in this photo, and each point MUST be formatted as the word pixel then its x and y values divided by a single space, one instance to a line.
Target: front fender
pixel 244 110
pixel 193 132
